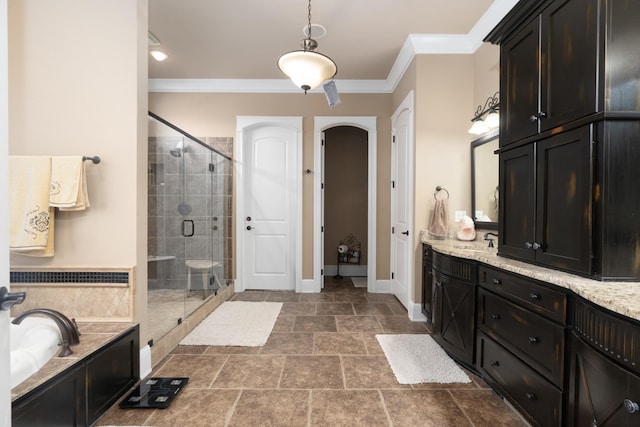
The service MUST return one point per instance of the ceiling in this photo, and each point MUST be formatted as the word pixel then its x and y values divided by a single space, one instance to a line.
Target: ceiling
pixel 242 39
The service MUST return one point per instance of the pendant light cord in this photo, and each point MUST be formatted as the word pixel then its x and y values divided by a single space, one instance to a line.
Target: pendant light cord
pixel 309 26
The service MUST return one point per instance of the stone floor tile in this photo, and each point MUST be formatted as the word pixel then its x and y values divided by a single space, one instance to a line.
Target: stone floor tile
pixel 338 343
pixel 197 408
pixel 347 408
pixel 367 372
pixel 284 408
pixel 288 343
pixel 250 371
pixel 372 309
pixel 486 408
pixel 312 372
pixel 334 308
pixel 425 408
pixel 358 324
pixel 401 325
pixel 315 324
pixel 200 369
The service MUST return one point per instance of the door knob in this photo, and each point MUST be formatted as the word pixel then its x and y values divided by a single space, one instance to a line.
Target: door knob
pixel 406 233
pixel 249 227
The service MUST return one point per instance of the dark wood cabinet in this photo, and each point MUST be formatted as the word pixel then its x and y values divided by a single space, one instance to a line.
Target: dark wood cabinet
pixel 546 201
pixel 521 341
pixel 569 90
pixel 601 393
pixel 427 281
pixel 550 69
pixel 454 302
pixel 82 393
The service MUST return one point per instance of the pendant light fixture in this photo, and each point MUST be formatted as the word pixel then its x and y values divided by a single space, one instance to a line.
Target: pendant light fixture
pixel 307 68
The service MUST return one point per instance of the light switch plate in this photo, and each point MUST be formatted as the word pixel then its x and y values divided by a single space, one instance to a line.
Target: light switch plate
pixel 459 215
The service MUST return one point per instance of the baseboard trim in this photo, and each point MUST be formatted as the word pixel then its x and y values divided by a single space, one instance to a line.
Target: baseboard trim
pixel 415 312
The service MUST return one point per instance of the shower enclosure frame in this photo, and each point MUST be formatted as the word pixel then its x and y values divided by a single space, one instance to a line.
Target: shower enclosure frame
pixel 189 224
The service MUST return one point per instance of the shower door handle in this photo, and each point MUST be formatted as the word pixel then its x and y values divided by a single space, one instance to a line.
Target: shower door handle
pixel 184 228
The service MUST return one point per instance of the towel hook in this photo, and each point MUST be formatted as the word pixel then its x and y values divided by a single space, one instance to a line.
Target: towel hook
pixel 438 189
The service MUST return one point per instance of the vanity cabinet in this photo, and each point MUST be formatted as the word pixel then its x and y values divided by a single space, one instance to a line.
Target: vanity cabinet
pixel 522 329
pixel 604 388
pixel 454 304
pixel 549 69
pixel 546 201
pixel 427 281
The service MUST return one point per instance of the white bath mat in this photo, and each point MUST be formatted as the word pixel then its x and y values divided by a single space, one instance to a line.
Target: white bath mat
pixel 359 282
pixel 417 358
pixel 236 323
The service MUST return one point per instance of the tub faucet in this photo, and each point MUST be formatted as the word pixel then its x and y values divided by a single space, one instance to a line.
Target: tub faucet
pixel 487 236
pixel 8 299
pixel 68 328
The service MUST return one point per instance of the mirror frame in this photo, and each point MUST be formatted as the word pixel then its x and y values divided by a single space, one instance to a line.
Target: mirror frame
pixel 484 139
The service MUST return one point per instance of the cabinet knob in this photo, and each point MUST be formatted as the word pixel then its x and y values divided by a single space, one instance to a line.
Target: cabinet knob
pixel 533 340
pixel 531 396
pixel 495 316
pixel 528 245
pixel 533 118
pixel 496 281
pixel 631 406
pixel 536 246
pixel 534 296
pixel 494 363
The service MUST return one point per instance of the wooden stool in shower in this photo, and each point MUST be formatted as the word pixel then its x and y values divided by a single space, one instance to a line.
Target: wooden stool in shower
pixel 201 266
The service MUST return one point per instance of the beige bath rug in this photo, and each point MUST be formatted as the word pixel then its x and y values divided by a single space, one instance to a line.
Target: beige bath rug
pixel 236 323
pixel 417 359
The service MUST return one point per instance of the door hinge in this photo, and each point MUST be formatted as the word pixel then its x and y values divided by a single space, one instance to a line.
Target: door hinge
pixel 394 138
pixel 322 228
pixel 322 186
pixel 393 230
pixel 212 167
pixel 393 275
pixel 393 184
pixel 322 271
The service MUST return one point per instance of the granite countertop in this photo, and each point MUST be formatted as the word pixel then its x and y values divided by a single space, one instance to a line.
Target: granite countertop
pixel 93 336
pixel 619 297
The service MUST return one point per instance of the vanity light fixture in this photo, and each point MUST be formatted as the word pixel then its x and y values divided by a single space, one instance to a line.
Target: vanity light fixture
pixel 482 124
pixel 307 68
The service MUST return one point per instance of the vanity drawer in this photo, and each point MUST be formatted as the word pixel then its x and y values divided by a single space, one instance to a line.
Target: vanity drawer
pixel 538 400
pixel 533 338
pixel 533 295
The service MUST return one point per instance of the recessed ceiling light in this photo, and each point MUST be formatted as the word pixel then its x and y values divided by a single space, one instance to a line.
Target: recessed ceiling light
pixel 158 55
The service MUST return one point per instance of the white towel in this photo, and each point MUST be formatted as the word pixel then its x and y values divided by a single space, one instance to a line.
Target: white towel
pixel 31 228
pixel 68 183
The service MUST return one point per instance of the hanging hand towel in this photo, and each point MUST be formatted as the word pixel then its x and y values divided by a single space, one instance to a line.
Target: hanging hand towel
pixel 68 184
pixel 438 227
pixel 31 229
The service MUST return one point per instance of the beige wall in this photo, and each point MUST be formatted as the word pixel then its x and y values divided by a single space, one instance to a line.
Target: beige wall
pixel 78 86
pixel 214 114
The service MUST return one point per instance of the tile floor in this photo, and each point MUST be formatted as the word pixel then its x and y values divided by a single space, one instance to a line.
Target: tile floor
pixel 322 366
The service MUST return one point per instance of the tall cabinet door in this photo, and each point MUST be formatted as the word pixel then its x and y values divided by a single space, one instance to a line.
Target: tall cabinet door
pixel 569 48
pixel 519 85
pixel 517 202
pixel 563 208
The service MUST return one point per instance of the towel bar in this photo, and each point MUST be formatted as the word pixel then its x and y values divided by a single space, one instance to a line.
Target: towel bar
pixel 94 159
pixel 438 189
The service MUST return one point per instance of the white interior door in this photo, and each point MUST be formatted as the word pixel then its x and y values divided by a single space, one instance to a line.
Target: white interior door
pixel 402 203
pixel 269 207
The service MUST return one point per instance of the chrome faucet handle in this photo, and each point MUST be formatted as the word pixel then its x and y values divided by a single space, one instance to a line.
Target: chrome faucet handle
pixel 8 299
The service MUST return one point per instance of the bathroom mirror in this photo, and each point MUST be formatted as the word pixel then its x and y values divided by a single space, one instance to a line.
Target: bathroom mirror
pixel 484 181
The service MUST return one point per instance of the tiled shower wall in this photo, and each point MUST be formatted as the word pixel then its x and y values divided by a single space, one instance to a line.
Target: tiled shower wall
pixel 174 197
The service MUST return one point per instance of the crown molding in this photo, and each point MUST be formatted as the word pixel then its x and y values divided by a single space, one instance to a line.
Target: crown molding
pixel 415 44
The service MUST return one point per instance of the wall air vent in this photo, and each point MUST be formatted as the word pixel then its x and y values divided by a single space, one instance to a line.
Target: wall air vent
pixel 152 40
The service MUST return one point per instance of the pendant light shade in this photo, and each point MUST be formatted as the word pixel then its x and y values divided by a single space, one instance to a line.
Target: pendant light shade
pixel 307 68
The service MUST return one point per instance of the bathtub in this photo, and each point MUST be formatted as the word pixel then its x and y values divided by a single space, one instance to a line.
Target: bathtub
pixel 33 343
